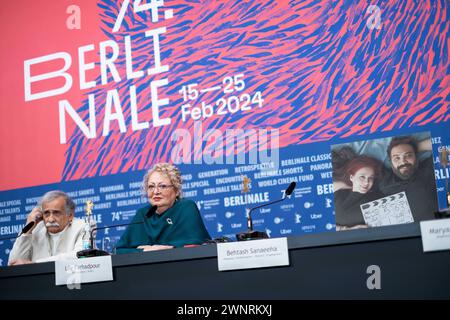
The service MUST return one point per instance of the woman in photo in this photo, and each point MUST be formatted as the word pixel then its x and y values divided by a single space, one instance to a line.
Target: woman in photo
pixel 359 186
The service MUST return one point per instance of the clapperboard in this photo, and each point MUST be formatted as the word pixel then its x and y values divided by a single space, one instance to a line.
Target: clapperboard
pixel 387 211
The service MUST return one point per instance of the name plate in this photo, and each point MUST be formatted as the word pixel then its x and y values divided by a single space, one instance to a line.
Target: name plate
pixel 435 234
pixel 95 269
pixel 252 254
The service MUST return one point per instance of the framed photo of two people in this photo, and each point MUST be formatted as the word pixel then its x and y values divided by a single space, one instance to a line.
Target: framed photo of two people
pixel 384 181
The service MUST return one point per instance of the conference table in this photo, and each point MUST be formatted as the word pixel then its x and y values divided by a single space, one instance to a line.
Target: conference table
pixel 332 265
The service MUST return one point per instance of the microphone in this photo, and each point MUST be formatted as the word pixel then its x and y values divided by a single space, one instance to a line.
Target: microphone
pixel 289 189
pixel 27 227
pixel 92 252
pixel 251 234
pixel 31 224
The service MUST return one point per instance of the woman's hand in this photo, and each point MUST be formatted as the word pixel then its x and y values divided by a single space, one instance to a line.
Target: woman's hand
pixel 154 247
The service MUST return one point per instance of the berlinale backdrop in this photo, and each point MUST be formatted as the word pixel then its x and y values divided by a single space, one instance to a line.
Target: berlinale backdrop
pixel 95 92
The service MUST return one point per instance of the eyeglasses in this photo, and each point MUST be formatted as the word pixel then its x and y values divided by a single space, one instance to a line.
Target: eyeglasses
pixel 161 187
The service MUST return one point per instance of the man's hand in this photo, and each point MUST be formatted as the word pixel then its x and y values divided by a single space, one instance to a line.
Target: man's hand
pixel 36 216
pixel 17 262
pixel 155 247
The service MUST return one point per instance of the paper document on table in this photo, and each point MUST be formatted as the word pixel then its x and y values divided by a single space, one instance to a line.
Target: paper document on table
pixel 387 211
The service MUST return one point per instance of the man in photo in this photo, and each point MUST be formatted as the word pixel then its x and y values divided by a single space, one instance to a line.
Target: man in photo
pixel 413 176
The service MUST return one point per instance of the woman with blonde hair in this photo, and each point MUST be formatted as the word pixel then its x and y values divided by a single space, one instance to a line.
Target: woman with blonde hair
pixel 169 221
